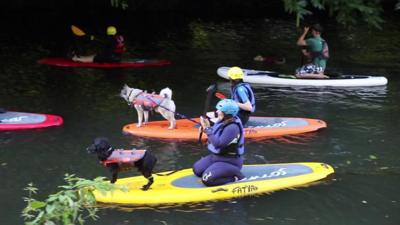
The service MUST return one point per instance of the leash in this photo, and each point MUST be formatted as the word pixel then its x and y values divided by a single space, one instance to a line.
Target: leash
pixel 175 113
pixel 166 174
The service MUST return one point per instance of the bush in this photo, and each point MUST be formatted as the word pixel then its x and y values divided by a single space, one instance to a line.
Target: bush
pixel 72 205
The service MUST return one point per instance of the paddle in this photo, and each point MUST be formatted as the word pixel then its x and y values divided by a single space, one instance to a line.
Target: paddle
pixel 79 32
pixel 210 92
pixel 220 95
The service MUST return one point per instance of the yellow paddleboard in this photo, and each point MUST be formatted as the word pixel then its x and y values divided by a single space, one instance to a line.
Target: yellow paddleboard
pixel 183 186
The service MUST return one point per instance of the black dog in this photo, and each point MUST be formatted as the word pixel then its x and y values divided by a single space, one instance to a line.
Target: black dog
pixel 118 160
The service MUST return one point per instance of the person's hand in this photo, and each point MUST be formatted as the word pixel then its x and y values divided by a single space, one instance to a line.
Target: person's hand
pixel 306 29
pixel 204 122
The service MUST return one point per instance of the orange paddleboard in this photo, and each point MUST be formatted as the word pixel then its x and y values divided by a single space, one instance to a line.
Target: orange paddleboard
pixel 256 127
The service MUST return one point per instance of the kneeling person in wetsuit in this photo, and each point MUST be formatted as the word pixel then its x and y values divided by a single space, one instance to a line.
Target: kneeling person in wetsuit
pixel 226 144
pixel 315 49
pixel 112 48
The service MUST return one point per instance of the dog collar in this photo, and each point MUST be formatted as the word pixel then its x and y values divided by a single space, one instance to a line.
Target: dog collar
pixel 110 149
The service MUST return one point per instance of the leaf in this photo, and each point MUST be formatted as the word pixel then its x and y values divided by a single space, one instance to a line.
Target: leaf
pixel 49 222
pixel 50 208
pixel 372 157
pixel 37 204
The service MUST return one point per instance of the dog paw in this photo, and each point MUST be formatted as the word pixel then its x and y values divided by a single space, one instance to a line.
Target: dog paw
pixel 138 125
pixel 171 128
pixel 145 187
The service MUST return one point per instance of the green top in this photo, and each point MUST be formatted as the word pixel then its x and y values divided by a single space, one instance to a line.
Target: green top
pixel 315 44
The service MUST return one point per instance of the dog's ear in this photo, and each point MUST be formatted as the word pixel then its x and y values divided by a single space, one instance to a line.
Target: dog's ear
pixel 101 144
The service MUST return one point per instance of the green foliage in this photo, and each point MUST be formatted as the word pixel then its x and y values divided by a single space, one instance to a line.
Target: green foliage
pixel 350 12
pixel 72 205
pixel 123 4
pixel 346 12
pixel 298 8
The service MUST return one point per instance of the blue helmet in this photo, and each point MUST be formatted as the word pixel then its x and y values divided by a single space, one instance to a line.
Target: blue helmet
pixel 228 107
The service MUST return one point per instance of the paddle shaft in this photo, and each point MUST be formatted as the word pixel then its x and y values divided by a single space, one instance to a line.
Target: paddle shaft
pixel 210 91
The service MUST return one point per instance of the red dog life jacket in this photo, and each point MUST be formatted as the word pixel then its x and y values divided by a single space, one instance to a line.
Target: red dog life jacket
pixel 125 158
pixel 148 101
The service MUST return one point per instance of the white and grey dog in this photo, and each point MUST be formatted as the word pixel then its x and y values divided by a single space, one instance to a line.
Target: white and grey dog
pixel 145 102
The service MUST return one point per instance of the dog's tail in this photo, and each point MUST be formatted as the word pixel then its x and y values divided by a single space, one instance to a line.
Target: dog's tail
pixel 166 93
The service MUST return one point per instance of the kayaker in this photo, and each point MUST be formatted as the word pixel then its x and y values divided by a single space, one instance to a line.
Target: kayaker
pixel 226 144
pixel 113 47
pixel 316 50
pixel 242 93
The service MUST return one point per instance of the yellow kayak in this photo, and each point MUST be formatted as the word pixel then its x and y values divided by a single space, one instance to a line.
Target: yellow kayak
pixel 183 186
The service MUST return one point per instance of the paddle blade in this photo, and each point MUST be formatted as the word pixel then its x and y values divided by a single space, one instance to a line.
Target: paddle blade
pixel 220 95
pixel 77 31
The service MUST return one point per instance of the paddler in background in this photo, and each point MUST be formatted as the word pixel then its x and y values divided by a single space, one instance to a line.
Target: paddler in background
pixel 242 93
pixel 316 50
pixel 226 144
pixel 113 46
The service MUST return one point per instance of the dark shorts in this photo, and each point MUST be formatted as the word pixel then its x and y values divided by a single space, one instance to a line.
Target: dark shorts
pixel 309 69
pixel 244 116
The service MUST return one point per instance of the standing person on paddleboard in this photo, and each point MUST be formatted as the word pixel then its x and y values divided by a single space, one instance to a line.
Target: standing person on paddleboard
pixel 226 144
pixel 242 93
pixel 316 49
pixel 112 48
